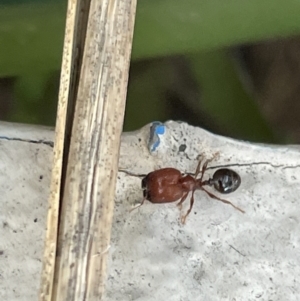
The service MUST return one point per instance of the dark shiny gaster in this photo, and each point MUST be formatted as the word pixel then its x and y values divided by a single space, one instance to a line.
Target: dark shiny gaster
pixel 225 180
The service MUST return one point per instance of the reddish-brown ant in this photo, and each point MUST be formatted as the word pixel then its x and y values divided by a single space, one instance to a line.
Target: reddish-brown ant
pixel 168 185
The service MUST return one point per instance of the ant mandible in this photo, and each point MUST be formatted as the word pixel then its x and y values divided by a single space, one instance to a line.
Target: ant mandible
pixel 168 185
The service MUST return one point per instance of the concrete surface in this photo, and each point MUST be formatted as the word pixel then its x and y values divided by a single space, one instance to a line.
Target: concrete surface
pixel 220 254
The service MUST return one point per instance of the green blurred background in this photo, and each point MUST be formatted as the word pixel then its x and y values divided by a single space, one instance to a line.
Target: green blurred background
pixel 212 63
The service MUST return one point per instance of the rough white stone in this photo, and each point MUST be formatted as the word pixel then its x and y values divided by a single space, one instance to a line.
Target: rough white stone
pixel 220 254
pixel 25 169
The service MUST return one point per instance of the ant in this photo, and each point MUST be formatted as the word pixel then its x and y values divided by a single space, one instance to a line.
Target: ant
pixel 168 185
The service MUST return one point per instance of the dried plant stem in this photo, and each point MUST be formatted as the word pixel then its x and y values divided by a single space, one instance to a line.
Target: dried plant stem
pixel 86 186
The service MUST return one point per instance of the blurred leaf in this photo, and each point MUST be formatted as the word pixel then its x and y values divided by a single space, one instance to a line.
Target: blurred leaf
pixel 165 27
pixel 31 37
pixel 225 99
pixel 146 92
pixel 36 98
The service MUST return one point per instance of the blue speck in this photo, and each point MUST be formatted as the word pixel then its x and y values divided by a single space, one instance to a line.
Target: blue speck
pixel 157 128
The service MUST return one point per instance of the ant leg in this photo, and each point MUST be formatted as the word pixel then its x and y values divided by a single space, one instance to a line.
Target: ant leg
pixel 137 206
pixel 179 205
pixel 204 166
pixel 198 167
pixel 183 218
pixel 222 200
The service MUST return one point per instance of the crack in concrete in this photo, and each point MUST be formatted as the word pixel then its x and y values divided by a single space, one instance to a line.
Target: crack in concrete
pixel 255 163
pixel 48 143
pixel 220 166
pixel 232 247
pixel 132 174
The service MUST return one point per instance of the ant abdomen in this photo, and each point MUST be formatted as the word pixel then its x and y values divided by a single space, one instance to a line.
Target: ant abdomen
pixel 225 180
